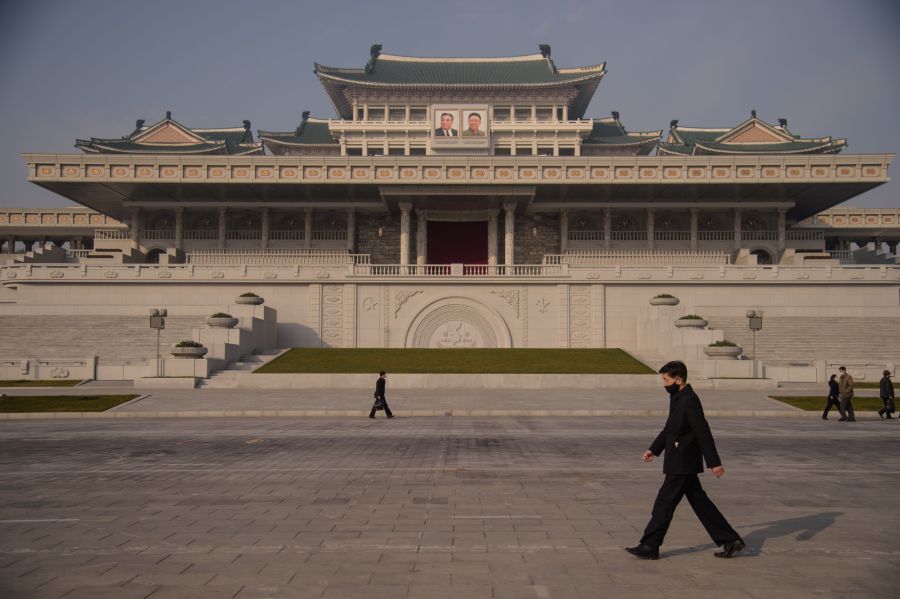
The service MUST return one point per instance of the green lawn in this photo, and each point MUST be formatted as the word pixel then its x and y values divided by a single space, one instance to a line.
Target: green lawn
pixel 25 383
pixel 61 403
pixel 868 385
pixel 459 361
pixel 817 403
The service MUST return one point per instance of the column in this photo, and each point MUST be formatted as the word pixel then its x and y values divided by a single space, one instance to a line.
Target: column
pixel 509 237
pixel 563 230
pixel 11 244
pixel 737 228
pixel 135 226
pixel 179 228
pixel 607 228
pixel 307 228
pixel 405 207
pixel 651 228
pixel 781 230
pixel 264 234
pixel 421 237
pixel 695 214
pixel 492 238
pixel 351 230
pixel 223 225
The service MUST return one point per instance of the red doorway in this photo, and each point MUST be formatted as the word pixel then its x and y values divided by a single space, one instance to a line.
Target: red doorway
pixel 457 242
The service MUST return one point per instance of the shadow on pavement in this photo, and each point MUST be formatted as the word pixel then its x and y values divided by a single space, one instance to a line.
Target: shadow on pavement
pixel 805 528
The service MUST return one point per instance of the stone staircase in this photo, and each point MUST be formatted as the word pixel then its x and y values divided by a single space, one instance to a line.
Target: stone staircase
pixel 46 253
pixel 227 378
pixel 110 338
pixel 804 339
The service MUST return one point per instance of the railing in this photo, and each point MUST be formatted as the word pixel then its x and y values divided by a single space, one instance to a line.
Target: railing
pixel 804 235
pixel 338 235
pixel 274 256
pixel 759 235
pixel 158 234
pixel 672 235
pixel 585 235
pixel 76 255
pixel 460 270
pixel 844 256
pixel 287 235
pixel 715 235
pixel 106 234
pixel 628 235
pixel 243 234
pixel 638 257
pixel 201 234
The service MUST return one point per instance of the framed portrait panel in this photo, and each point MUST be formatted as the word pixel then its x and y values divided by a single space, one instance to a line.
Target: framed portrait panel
pixel 455 125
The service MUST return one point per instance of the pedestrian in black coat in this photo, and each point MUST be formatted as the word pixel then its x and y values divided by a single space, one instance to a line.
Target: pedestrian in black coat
pixel 687 441
pixel 834 398
pixel 380 401
pixel 886 391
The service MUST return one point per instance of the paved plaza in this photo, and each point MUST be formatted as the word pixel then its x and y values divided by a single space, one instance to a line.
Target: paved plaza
pixel 434 508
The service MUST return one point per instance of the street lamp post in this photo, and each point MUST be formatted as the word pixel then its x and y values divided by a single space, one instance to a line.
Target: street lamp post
pixel 754 321
pixel 158 322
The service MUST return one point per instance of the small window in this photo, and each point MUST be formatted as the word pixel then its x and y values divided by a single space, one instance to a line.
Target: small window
pixel 397 114
pixel 396 152
pixel 502 151
pixel 376 115
pixel 418 114
pixel 524 151
pixel 501 114
pixel 544 114
pixel 375 152
pixel 567 151
pixel 417 151
pixel 545 151
pixel 354 151
pixel 523 113
pixel 559 113
pixel 360 114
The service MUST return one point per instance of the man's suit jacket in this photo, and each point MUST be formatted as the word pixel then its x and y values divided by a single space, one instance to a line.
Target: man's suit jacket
pixel 439 132
pixel 845 383
pixel 686 437
pixel 379 388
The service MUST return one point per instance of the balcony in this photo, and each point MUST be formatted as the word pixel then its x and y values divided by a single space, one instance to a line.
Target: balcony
pixel 461 270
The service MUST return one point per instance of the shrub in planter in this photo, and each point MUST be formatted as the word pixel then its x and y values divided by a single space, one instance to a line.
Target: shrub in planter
pixel 664 299
pixel 723 349
pixel 691 320
pixel 222 320
pixel 188 349
pixel 249 298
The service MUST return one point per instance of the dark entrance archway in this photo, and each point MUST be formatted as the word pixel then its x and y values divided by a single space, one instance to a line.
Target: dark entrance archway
pixel 457 242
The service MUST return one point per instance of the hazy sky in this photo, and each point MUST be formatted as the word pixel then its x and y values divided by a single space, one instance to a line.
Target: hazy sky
pixel 91 67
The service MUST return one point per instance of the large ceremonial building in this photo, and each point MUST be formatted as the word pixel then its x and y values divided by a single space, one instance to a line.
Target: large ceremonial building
pixel 466 202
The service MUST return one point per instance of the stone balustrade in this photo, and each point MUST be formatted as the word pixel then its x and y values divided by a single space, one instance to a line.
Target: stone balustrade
pixel 634 257
pixel 274 256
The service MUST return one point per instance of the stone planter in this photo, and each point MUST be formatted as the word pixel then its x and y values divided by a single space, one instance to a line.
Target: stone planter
pixel 189 352
pixel 723 352
pixel 663 301
pixel 222 323
pixel 249 301
pixel 696 323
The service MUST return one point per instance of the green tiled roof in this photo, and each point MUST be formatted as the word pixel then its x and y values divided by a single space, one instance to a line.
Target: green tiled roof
pixel 230 141
pixel 405 71
pixel 311 131
pixel 610 131
pixel 713 141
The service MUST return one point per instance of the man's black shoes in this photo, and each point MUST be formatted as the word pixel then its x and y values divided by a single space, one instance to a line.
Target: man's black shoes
pixel 729 549
pixel 644 551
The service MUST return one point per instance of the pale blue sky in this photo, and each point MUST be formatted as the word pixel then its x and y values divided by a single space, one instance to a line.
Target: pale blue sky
pixel 91 67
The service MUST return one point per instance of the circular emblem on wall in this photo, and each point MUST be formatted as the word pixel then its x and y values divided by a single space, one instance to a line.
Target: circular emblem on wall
pixel 820 172
pixel 745 172
pixel 455 173
pixel 695 173
pixel 870 171
pixel 119 171
pixel 599 173
pixel 551 173
pixel 504 173
pixel 70 171
pixel 46 170
pixel 623 173
pixel 720 173
pixel 844 172
pixel 672 173
pixel 770 172
pixel 361 173
pixel 457 323
pixel 111 274
pixel 576 173
pixel 241 172
pixel 164 274
pixel 270 274
pixel 289 172
pixel 192 172
pixel 432 173
pixel 479 173
pixel 264 172
pixel 383 173
pixel 217 274
pixel 526 173
pixel 168 171
pixel 56 274
pixel 59 373
pixel 95 171
pixel 408 173
pixel 144 172
pixel 794 172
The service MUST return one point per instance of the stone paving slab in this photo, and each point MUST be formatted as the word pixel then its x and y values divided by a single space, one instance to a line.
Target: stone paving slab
pixel 435 507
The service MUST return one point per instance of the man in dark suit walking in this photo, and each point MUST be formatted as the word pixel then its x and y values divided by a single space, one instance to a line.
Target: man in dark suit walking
pixel 380 401
pixel 687 440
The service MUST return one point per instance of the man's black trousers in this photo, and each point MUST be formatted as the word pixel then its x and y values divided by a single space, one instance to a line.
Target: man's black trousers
pixel 674 487
pixel 387 410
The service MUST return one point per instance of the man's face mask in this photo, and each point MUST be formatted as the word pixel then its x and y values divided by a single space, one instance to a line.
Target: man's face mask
pixel 671 388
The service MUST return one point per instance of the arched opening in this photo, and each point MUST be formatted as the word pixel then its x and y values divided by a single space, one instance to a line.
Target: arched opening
pixel 763 257
pixel 153 256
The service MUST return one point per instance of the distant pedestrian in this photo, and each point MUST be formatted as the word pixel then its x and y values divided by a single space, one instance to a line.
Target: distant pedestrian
pixel 886 391
pixel 687 441
pixel 380 401
pixel 834 398
pixel 845 387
